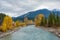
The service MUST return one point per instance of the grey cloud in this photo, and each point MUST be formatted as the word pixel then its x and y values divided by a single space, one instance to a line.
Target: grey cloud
pixel 20 7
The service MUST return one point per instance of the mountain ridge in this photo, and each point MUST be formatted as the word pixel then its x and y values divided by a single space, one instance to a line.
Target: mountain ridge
pixel 32 14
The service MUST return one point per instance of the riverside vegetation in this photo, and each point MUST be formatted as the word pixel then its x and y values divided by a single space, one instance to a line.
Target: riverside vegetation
pixel 7 23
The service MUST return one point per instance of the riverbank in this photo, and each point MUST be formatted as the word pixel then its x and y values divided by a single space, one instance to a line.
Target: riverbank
pixel 3 34
pixel 53 30
pixel 56 31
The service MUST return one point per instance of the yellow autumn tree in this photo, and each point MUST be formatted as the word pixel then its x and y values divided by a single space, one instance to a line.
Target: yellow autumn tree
pixel 17 23
pixel 20 23
pixel 38 19
pixel 4 27
pixel 24 24
pixel 30 21
pixel 7 23
pixel 10 23
pixel 26 20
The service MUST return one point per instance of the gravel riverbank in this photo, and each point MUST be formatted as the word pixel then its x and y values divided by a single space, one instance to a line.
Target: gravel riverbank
pixel 56 31
pixel 3 34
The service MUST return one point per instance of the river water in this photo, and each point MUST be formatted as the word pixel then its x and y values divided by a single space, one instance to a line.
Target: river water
pixel 31 33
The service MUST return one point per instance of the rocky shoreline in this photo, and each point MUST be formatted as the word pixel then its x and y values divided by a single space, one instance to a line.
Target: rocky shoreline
pixel 3 34
pixel 55 31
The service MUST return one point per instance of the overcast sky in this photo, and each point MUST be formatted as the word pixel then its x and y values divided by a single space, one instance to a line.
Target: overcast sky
pixel 20 7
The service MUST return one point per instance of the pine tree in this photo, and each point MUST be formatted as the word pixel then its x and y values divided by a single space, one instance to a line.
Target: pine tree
pixel 2 15
pixel 51 19
pixel 57 20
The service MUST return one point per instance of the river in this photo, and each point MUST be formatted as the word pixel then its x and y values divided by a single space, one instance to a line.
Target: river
pixel 31 33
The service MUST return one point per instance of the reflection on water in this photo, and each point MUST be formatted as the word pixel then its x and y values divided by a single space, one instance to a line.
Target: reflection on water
pixel 31 33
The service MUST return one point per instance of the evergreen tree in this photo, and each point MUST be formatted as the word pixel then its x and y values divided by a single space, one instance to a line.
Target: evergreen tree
pixel 2 17
pixel 51 19
pixel 57 20
pixel 43 21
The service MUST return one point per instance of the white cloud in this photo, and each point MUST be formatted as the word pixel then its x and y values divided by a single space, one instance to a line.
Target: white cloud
pixel 49 5
pixel 10 14
pixel 5 4
pixel 16 8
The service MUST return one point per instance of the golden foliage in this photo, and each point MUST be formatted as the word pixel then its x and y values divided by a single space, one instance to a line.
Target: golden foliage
pixel 22 24
pixel 17 23
pixel 38 19
pixel 30 22
pixel 4 27
pixel 7 23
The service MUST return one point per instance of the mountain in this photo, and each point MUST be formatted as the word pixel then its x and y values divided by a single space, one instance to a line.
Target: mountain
pixel 32 14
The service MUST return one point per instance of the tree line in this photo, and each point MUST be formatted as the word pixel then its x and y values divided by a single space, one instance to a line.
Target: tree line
pixel 7 23
pixel 53 20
